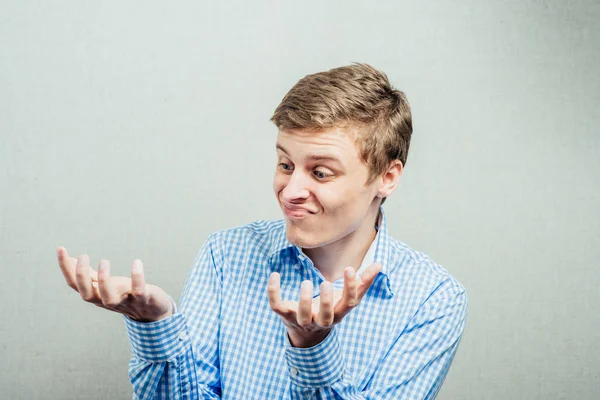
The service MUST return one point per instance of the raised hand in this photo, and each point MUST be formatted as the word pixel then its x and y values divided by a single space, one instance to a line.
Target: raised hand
pixel 309 321
pixel 129 296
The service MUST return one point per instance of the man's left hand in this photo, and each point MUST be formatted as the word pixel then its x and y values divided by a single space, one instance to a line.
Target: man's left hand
pixel 309 321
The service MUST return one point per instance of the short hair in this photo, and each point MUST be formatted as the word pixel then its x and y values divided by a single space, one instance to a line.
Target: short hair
pixel 356 95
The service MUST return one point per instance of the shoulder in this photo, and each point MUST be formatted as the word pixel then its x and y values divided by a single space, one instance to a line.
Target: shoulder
pixel 257 230
pixel 414 267
pixel 259 235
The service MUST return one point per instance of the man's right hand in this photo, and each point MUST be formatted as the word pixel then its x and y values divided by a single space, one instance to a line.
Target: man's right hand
pixel 129 296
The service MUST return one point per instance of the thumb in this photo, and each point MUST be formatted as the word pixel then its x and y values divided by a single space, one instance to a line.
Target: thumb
pixel 370 273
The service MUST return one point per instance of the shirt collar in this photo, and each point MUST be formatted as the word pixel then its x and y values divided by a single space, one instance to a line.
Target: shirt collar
pixel 379 251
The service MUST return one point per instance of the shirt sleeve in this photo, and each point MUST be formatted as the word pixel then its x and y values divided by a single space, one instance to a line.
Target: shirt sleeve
pixel 415 366
pixel 177 357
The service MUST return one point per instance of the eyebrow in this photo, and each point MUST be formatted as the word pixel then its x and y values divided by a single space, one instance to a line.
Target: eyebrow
pixel 313 157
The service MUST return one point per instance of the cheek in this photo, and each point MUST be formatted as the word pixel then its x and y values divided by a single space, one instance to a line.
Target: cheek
pixel 279 182
pixel 343 201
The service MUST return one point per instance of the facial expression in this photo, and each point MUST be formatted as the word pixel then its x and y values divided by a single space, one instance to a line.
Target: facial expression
pixel 320 184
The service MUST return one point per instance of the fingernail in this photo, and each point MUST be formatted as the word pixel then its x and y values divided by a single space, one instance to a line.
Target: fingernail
pixel 102 265
pixel 306 284
pixel 137 266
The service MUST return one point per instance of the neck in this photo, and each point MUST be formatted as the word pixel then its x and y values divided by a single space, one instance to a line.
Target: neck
pixel 332 259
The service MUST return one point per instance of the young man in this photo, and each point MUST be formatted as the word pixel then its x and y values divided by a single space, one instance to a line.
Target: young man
pixel 323 304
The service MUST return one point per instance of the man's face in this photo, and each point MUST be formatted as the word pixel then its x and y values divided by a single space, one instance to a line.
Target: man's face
pixel 320 185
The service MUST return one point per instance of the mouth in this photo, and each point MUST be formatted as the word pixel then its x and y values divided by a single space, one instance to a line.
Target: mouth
pixel 295 214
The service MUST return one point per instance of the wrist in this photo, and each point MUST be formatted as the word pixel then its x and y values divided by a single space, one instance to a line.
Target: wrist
pixel 171 311
pixel 304 341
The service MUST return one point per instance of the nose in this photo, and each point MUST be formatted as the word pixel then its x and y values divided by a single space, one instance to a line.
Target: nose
pixel 296 188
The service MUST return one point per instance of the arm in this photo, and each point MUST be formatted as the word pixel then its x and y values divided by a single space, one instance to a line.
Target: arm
pixel 414 368
pixel 177 357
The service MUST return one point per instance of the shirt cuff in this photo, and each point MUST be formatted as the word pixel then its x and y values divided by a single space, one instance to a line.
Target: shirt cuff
pixel 318 366
pixel 158 341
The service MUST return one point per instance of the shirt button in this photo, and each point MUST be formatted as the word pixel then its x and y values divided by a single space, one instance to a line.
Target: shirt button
pixel 294 371
pixel 183 336
pixel 296 265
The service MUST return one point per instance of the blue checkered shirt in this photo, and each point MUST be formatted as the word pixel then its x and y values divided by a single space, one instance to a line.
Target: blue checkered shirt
pixel 225 342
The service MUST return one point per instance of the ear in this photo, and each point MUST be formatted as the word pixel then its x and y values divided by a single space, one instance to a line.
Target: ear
pixel 389 180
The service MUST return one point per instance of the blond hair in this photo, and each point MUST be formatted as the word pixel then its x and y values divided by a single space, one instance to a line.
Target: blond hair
pixel 356 95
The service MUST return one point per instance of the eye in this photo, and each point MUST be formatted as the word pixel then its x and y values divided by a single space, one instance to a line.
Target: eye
pixel 321 175
pixel 285 167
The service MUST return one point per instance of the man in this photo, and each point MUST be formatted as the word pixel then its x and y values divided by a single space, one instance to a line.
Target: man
pixel 321 305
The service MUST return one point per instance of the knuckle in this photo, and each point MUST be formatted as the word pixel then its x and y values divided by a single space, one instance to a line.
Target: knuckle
pixel 87 297
pixel 286 313
pixel 110 302
pixel 276 308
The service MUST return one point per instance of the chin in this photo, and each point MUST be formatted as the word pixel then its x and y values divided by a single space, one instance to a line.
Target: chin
pixel 302 238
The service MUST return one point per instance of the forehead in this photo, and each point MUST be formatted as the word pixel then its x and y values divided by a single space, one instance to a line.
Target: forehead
pixel 331 143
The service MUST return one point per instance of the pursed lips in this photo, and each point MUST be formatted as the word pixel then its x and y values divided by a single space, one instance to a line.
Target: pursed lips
pixel 296 211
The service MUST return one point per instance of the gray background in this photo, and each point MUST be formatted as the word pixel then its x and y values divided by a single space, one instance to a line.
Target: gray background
pixel 135 129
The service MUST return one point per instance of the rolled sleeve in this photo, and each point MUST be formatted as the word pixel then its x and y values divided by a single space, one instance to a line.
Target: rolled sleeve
pixel 317 366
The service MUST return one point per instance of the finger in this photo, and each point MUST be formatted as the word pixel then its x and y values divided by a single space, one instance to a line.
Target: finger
pixel 67 266
pixel 367 278
pixel 138 283
pixel 82 278
pixel 93 275
pixel 325 317
pixel 304 316
pixel 274 293
pixel 107 291
pixel 349 295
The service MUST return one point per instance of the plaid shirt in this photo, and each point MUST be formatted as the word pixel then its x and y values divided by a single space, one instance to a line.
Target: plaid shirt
pixel 225 341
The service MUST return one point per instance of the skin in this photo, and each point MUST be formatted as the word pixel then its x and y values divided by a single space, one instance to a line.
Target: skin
pixel 129 296
pixel 336 231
